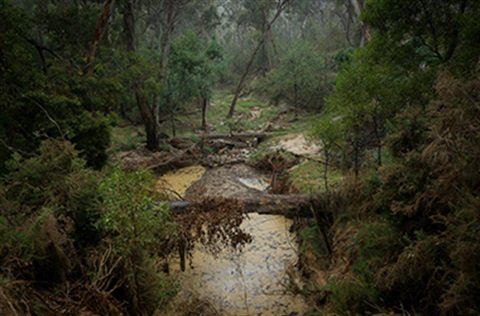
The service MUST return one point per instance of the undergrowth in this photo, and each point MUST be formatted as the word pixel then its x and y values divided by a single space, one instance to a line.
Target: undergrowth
pixel 415 248
pixel 77 240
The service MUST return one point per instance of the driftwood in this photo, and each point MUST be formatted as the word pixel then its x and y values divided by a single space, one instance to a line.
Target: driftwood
pixel 183 158
pixel 240 135
pixel 313 159
pixel 272 204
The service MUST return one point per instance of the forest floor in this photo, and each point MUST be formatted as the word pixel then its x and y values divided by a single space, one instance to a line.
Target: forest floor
pixel 290 137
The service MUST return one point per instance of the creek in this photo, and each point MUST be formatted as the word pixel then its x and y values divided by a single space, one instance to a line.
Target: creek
pixel 255 280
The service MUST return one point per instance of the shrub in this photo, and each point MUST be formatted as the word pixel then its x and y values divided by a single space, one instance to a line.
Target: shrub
pixel 419 243
pixel 138 228
pixel 48 203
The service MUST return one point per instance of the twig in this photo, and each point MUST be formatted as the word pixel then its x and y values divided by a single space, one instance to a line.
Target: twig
pixel 171 159
pixel 48 116
pixel 174 192
pixel 13 149
pixel 9 303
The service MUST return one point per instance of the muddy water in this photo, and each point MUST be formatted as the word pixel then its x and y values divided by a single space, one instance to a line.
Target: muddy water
pixel 175 183
pixel 253 281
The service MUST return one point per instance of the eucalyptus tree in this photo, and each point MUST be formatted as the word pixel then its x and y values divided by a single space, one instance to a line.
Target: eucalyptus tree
pixel 418 76
pixel 397 69
pixel 300 79
pixel 312 35
pixel 280 6
pixel 46 92
pixel 150 27
pixel 193 71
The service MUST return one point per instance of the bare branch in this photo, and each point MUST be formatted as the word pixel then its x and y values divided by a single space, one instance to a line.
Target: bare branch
pixel 49 117
pixel 281 5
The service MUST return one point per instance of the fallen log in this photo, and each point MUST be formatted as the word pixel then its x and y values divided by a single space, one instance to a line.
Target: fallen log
pixel 272 204
pixel 241 135
pixel 183 158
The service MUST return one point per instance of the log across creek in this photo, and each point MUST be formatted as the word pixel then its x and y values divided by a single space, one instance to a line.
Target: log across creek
pixel 294 205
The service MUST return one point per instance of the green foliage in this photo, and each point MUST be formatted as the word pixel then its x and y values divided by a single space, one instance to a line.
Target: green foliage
pixel 415 210
pixel 421 232
pixel 368 94
pixel 194 68
pixel 301 79
pixel 376 242
pixel 329 131
pixel 56 216
pixel 131 217
pixel 353 296
pixel 125 138
pixel 427 33
pixel 310 236
pixel 49 203
pixel 47 97
pixel 344 57
pixel 308 177
pixel 61 116
pixel 397 69
pixel 138 227
pixel 62 22
pixel 55 179
pixel 407 131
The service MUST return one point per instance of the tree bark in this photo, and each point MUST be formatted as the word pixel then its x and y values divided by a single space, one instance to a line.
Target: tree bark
pixel 142 102
pixel 272 204
pixel 281 6
pixel 99 33
pixel 165 52
pixel 172 12
pixel 204 113
pixel 359 5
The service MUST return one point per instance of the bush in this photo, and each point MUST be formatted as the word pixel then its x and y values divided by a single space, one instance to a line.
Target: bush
pixel 301 80
pixel 50 203
pixel 138 228
pixel 419 244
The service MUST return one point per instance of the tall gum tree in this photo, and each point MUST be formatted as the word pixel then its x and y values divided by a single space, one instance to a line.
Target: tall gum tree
pixel 146 112
pixel 281 6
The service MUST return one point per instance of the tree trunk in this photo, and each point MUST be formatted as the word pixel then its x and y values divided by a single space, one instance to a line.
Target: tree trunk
pixel 275 50
pixel 129 26
pixel 273 204
pixel 99 32
pixel 148 119
pixel 165 52
pixel 245 135
pixel 204 113
pixel 359 5
pixel 142 102
pixel 325 170
pixel 172 12
pixel 281 6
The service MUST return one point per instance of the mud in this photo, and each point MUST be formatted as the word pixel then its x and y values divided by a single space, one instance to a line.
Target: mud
pixel 298 144
pixel 231 181
pixel 174 184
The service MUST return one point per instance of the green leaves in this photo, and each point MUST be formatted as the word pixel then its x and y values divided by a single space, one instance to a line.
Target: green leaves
pixel 133 218
pixel 301 78
pixel 433 31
